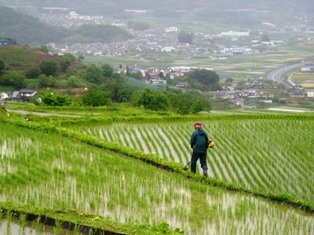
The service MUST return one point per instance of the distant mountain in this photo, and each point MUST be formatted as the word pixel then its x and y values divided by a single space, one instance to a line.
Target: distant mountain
pixel 246 13
pixel 25 29
pixel 29 30
pixel 112 5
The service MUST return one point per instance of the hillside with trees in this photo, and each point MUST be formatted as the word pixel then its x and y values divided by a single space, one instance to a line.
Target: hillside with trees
pixel 26 29
pixel 26 67
pixel 71 83
pixel 23 58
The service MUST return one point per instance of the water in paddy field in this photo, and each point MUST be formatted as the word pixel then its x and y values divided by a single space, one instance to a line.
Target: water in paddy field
pixel 13 227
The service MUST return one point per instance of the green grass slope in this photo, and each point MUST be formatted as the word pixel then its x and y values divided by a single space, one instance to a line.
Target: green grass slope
pixel 17 57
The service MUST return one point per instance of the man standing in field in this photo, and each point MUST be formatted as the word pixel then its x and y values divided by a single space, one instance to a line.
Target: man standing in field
pixel 199 144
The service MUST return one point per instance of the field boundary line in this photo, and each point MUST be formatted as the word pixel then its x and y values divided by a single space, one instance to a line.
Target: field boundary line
pixel 76 221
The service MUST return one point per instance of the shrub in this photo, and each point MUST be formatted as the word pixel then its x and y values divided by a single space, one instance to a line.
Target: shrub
pixel 32 73
pixel 96 98
pixel 52 98
pixel 150 99
pixel 48 68
pixel 14 79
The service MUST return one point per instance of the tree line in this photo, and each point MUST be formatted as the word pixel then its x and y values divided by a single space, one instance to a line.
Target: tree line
pixel 105 87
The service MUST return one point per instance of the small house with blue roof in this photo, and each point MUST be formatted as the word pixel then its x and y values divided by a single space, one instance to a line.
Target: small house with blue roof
pixel 6 42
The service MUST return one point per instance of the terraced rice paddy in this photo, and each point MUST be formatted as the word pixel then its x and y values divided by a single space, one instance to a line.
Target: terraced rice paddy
pixel 262 154
pixel 46 170
pixel 9 226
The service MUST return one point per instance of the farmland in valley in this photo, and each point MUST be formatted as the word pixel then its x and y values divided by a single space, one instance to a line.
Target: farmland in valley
pixel 70 167
pixel 306 80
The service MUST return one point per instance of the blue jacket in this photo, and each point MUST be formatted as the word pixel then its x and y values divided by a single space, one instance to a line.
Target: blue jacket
pixel 199 140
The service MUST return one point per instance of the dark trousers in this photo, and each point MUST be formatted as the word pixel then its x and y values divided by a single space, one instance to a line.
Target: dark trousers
pixel 195 157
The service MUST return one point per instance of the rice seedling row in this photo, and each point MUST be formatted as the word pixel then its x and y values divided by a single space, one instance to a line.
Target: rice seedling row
pixel 262 154
pixel 238 158
pixel 160 143
pixel 171 145
pixel 149 145
pixel 244 159
pixel 177 144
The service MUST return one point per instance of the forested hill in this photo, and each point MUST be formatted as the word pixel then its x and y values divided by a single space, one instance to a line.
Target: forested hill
pixel 26 29
pixel 239 13
pixel 29 30
pixel 114 5
pixel 172 4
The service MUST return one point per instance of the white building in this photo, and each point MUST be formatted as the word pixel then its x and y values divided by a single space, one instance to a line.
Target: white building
pixel 269 24
pixel 168 49
pixel 234 34
pixel 181 69
pixel 4 95
pixel 310 93
pixel 307 69
pixel 170 29
pixel 137 11
pixel 237 50
pixel 156 81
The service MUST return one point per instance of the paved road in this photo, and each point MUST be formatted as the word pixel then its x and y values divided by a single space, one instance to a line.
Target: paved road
pixel 23 112
pixel 277 74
